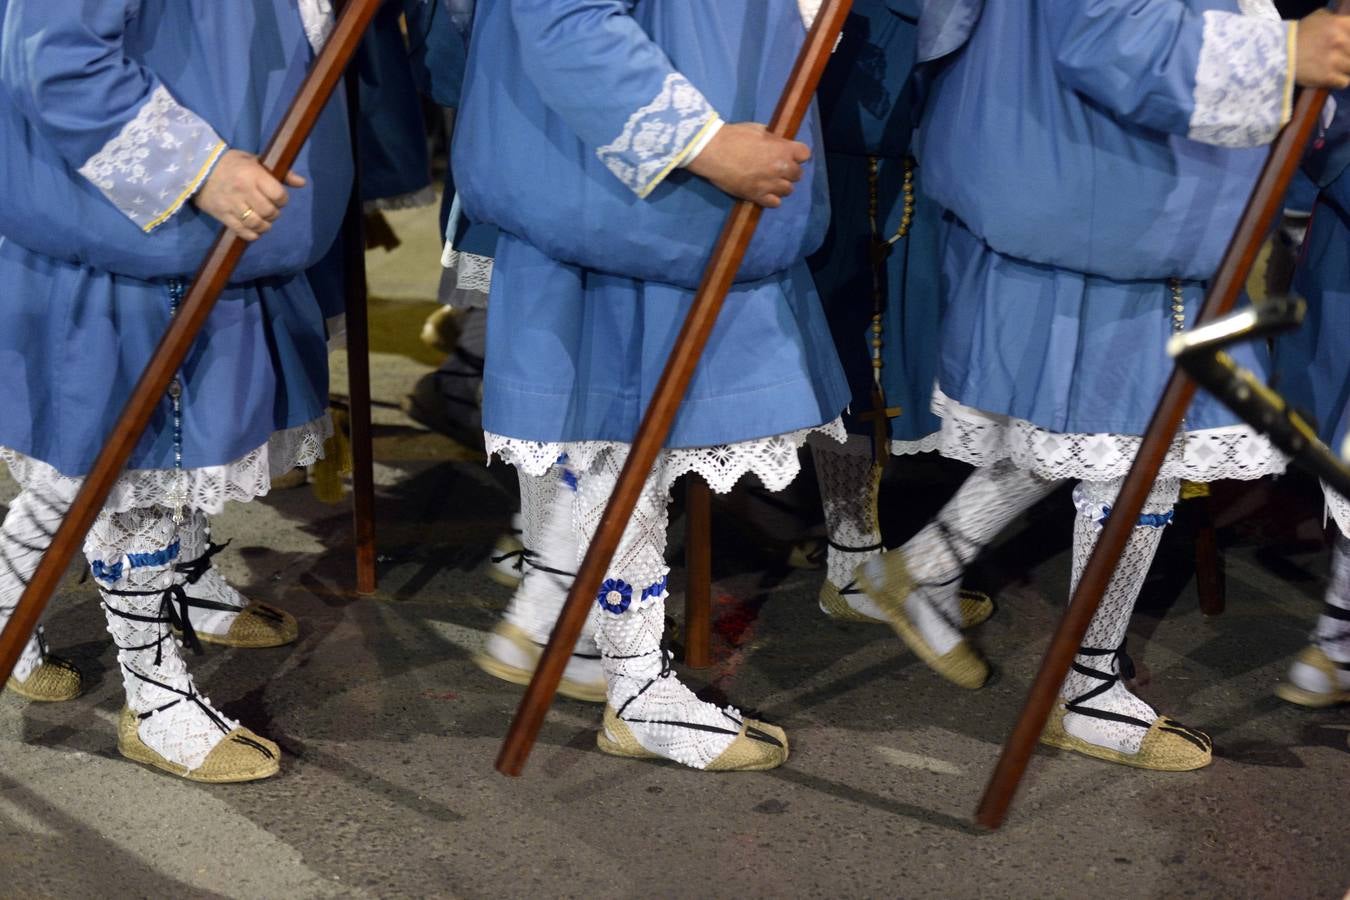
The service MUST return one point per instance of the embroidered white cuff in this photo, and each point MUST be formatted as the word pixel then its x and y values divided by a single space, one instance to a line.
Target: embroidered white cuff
pixel 660 136
pixel 156 162
pixel 1244 84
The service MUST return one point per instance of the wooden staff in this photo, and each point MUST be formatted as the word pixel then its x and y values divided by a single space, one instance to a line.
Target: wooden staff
pixel 355 291
pixel 1224 290
pixel 660 414
pixel 178 338
pixel 698 572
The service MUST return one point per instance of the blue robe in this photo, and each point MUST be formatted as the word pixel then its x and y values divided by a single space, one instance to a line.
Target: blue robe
pixel 391 133
pixel 1313 362
pixel 575 116
pixel 1086 152
pixel 869 107
pixel 114 114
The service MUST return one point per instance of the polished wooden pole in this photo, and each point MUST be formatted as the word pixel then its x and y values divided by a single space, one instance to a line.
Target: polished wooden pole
pixel 355 291
pixel 660 415
pixel 178 338
pixel 1224 290
pixel 698 573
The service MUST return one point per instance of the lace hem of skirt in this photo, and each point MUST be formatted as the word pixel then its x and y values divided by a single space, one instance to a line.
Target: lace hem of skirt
pixel 1212 454
pixel 207 489
pixel 773 460
pixel 925 444
pixel 418 199
pixel 467 279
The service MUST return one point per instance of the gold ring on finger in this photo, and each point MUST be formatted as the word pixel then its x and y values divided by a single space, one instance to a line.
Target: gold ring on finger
pixel 244 216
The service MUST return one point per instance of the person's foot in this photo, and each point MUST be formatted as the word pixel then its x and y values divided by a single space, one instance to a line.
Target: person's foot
pixel 511 655
pixel 1315 680
pixel 52 680
pixel 851 604
pixel 917 615
pixel 1108 722
pixel 650 713
pixel 239 755
pixel 218 613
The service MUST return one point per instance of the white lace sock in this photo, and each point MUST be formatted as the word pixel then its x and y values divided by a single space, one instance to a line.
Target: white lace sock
pixel 1333 626
pixel 663 714
pixel 937 556
pixel 27 532
pixel 216 603
pixel 551 560
pixel 132 557
pixel 1095 682
pixel 849 480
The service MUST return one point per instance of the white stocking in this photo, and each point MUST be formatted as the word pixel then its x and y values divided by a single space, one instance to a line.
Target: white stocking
pixel 988 500
pixel 1333 626
pixel 26 534
pixel 217 603
pixel 132 556
pixel 663 714
pixel 849 480
pixel 1094 683
pixel 551 558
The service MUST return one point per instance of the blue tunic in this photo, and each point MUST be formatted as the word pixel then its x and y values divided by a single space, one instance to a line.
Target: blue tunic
pixel 869 106
pixel 115 114
pixel 1313 363
pixel 1064 139
pixel 391 133
pixel 588 93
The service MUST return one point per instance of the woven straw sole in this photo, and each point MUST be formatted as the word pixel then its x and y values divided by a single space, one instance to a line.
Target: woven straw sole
pixel 577 690
pixel 1317 658
pixel 50 682
pixel 240 756
pixel 976 607
pixel 745 754
pixel 256 630
pixel 961 665
pixel 1164 749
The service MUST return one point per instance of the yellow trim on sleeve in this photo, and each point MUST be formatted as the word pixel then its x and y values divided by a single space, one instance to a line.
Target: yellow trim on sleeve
pixel 678 158
pixel 1287 107
pixel 188 191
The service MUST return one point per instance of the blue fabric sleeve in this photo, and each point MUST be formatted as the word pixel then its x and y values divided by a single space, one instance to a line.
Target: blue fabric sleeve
pixel 597 69
pixel 63 65
pixel 1138 58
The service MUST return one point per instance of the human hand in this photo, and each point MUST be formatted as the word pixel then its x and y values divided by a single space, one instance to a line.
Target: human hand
pixel 750 164
pixel 243 196
pixel 1323 51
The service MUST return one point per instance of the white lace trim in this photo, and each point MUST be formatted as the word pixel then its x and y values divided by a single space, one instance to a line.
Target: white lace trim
pixel 469 278
pixel 659 135
pixel 1213 454
pixel 317 16
pixel 809 9
pixel 925 444
pixel 1245 80
pixel 207 489
pixel 159 159
pixel 419 199
pixel 1261 9
pixel 772 459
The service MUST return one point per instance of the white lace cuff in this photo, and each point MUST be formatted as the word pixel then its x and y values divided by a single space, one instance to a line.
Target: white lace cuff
pixel 659 136
pixel 156 162
pixel 1244 84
